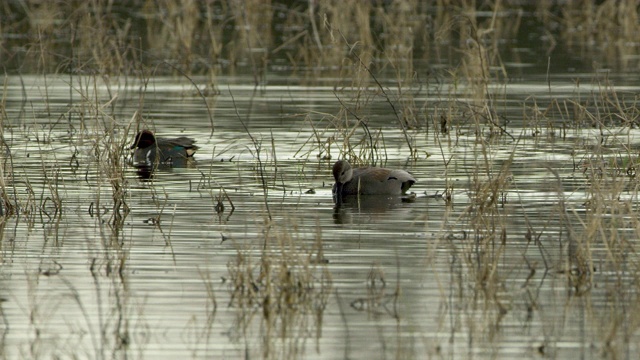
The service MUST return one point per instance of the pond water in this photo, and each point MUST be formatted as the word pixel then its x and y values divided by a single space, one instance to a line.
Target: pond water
pixel 206 263
pixel 520 241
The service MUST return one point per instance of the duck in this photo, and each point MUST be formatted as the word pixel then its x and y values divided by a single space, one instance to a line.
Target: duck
pixel 150 149
pixel 369 180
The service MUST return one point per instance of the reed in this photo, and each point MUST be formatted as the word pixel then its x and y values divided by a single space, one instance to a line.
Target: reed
pixel 284 285
pixel 7 207
pixel 589 31
pixel 214 36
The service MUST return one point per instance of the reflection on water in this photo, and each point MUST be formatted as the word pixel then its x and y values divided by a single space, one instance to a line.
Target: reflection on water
pixel 145 171
pixel 372 205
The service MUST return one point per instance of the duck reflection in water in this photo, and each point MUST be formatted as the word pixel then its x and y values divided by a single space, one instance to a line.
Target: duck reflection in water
pixel 371 189
pixel 369 208
pixel 153 153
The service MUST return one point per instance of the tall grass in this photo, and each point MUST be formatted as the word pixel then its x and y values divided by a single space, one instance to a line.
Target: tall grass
pixel 285 286
pixel 210 37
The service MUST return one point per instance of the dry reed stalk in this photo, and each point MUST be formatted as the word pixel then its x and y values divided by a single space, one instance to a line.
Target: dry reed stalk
pixel 285 284
pixel 587 28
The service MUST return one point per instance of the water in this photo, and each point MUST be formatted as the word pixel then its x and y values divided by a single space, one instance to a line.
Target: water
pixel 521 240
pixel 381 277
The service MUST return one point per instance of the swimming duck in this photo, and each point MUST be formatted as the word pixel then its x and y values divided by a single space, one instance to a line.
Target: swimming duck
pixel 150 149
pixel 369 180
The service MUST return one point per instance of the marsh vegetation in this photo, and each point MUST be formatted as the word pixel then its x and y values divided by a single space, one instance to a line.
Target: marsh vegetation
pixel 520 124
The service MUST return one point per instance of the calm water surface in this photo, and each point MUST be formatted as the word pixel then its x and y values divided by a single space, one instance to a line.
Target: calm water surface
pixel 393 279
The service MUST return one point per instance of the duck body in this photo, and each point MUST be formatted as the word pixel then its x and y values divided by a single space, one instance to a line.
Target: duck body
pixel 150 149
pixel 369 180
